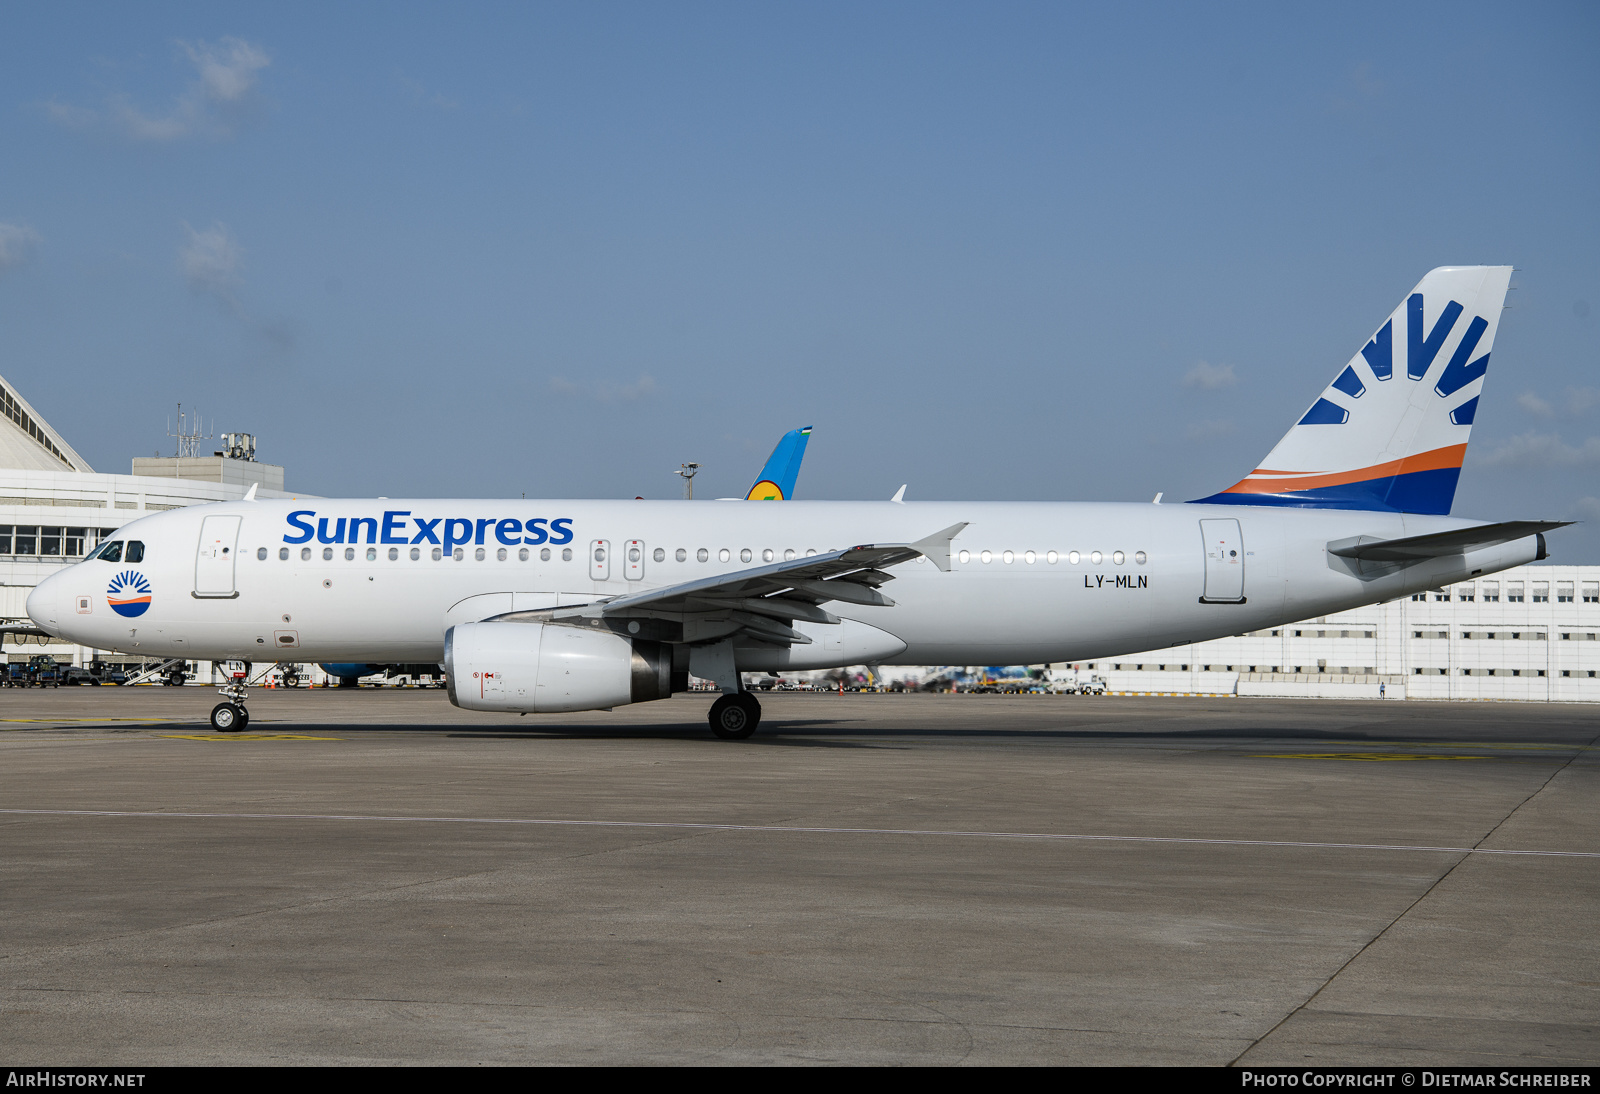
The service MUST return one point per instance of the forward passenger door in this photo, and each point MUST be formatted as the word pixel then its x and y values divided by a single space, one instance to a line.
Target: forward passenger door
pixel 214 557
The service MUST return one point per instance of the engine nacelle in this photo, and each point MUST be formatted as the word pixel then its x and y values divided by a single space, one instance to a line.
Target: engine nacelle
pixel 546 668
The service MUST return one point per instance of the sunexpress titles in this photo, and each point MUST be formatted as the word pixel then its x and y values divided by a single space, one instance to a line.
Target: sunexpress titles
pixel 397 526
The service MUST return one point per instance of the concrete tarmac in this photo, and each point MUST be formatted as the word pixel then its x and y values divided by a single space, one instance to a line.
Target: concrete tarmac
pixel 377 877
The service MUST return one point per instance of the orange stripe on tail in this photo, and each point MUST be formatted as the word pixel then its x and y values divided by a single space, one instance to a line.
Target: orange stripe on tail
pixel 1290 482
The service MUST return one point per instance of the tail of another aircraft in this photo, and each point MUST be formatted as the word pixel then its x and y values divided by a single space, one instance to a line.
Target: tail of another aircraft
pixel 777 478
pixel 1391 431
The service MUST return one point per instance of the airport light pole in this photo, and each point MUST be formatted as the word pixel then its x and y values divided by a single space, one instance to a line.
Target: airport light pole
pixel 688 471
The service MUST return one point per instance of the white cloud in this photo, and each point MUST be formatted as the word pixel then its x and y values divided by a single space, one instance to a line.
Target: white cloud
pixel 1573 402
pixel 1210 430
pixel 1532 451
pixel 17 242
pixel 1534 405
pixel 1580 399
pixel 211 261
pixel 226 71
pixel 606 391
pixel 1208 377
pixel 628 393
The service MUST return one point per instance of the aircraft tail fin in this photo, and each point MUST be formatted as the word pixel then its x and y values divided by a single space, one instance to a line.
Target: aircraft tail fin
pixel 777 478
pixel 1391 431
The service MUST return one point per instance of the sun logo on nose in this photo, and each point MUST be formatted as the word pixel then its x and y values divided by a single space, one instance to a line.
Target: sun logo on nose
pixel 129 593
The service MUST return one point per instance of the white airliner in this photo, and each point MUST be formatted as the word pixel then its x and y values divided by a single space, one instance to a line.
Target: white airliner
pixel 550 606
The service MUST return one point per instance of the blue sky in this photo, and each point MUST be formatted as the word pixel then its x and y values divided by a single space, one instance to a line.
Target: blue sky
pixel 990 250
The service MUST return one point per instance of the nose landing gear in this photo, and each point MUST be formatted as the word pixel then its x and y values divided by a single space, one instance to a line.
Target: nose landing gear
pixel 231 716
pixel 735 717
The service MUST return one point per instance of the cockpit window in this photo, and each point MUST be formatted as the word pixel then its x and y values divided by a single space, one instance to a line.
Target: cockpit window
pixel 110 551
pixel 135 551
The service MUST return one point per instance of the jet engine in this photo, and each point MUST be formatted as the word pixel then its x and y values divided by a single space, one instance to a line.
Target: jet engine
pixel 547 668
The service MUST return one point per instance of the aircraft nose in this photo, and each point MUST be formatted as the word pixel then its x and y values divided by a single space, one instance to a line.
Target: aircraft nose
pixel 44 604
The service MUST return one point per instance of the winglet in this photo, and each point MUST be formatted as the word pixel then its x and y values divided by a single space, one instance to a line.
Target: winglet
pixel 900 494
pixel 250 494
pixel 936 548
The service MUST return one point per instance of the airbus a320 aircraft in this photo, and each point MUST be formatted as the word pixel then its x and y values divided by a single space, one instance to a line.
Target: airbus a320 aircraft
pixel 551 606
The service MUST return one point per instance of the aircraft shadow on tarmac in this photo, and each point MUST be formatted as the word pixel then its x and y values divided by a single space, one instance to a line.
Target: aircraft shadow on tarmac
pixel 848 733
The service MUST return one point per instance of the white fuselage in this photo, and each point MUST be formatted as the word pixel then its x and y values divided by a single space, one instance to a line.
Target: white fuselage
pixel 283 592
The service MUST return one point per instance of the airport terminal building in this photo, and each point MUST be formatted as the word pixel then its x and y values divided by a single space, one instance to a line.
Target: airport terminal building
pixel 55 509
pixel 1531 633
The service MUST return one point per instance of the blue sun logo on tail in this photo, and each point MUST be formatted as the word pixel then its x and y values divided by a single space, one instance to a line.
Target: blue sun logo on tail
pixel 129 593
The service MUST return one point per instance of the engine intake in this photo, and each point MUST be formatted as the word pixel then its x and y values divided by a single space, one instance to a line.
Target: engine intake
pixel 547 668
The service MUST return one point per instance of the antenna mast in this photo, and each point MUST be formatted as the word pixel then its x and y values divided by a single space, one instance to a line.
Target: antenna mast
pixel 189 434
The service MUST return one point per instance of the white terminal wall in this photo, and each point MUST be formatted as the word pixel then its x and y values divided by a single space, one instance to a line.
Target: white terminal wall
pixel 1540 650
pixel 98 503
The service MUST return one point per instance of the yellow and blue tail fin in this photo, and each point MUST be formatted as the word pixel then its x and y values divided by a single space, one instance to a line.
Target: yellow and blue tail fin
pixel 777 478
pixel 1391 431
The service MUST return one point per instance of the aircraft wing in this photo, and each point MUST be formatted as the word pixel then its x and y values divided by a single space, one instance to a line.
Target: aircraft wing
pixel 1436 544
pixel 764 601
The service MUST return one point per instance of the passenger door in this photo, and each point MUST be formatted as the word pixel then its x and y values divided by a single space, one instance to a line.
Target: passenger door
pixel 1224 547
pixel 214 558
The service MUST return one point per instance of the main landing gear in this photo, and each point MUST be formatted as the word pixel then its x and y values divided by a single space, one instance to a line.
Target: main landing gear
pixel 735 717
pixel 230 716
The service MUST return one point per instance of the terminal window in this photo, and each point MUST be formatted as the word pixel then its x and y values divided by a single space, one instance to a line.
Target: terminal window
pixel 1563 592
pixel 1591 592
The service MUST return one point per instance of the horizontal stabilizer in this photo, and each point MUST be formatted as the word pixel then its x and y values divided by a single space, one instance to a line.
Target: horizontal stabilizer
pixel 1438 544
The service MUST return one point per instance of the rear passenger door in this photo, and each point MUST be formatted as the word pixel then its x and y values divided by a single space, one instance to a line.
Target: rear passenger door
pixel 1224 547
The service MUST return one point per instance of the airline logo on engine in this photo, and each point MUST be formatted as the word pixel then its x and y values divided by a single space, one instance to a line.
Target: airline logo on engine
pixel 399 526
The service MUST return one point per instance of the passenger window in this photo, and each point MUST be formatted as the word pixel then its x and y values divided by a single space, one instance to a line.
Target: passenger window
pixel 522 555
pixel 544 554
pixel 261 553
pixel 327 554
pixel 305 554
pixel 566 554
pixel 349 554
pixel 680 554
pixel 135 551
pixel 283 554
pixel 702 554
pixel 660 554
